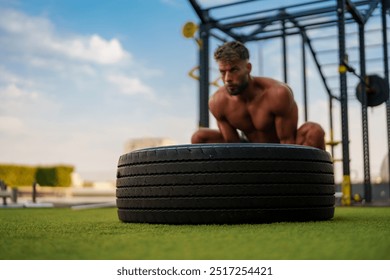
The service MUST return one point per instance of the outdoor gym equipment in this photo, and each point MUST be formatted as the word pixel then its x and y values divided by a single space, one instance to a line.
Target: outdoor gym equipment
pixel 225 184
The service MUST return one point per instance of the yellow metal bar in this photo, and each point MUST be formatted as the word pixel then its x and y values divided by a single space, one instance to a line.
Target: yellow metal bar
pixel 332 142
pixel 346 189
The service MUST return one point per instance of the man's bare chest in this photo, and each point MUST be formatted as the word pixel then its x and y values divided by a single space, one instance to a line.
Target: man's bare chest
pixel 249 117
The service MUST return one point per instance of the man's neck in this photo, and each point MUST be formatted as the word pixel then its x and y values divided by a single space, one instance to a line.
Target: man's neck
pixel 249 92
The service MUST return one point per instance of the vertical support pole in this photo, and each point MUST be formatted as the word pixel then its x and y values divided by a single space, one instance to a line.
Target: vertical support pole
pixel 284 46
pixel 346 184
pixel 366 152
pixel 34 192
pixel 386 70
pixel 14 196
pixel 331 126
pixel 304 76
pixel 204 76
pixel 3 187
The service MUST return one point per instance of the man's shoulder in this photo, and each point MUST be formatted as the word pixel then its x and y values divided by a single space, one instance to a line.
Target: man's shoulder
pixel 272 86
pixel 219 95
pixel 216 100
pixel 269 82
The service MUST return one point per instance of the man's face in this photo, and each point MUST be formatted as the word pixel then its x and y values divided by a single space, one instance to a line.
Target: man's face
pixel 235 75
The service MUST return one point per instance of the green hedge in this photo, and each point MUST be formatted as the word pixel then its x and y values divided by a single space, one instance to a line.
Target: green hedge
pixel 54 176
pixel 16 175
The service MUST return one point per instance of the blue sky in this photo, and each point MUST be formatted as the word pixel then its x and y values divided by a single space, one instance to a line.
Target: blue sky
pixel 80 78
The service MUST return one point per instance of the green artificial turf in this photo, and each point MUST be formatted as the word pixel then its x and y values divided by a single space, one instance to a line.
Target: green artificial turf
pixel 62 233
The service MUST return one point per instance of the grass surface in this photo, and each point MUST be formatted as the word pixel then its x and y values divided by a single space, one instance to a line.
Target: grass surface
pixel 62 233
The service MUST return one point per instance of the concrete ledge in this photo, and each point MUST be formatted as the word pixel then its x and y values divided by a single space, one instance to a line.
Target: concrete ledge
pixel 93 192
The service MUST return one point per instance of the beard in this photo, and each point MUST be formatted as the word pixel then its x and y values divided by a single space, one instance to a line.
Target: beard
pixel 236 89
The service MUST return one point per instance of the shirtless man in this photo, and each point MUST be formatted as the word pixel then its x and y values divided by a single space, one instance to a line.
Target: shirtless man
pixel 261 108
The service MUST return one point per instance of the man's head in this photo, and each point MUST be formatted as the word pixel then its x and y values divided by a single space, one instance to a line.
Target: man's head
pixel 231 51
pixel 234 66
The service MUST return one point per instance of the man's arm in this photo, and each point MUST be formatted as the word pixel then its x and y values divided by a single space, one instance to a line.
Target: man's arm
pixel 229 133
pixel 286 115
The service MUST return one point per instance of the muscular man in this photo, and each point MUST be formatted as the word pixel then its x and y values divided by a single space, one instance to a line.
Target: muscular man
pixel 263 109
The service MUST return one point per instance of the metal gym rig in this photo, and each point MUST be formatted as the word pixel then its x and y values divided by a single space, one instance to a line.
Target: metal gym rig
pixel 300 19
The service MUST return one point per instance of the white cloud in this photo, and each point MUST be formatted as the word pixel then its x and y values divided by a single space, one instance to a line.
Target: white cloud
pixel 93 49
pixel 54 104
pixel 130 86
pixel 8 77
pixel 14 22
pixel 25 104
pixel 13 91
pixel 11 125
pixel 37 36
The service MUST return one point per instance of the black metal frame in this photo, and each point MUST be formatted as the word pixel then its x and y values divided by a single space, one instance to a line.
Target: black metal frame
pixel 301 17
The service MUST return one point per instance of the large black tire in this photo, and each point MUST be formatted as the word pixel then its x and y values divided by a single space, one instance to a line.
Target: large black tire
pixel 225 166
pixel 224 178
pixel 225 216
pixel 239 202
pixel 156 185
pixel 226 190
pixel 242 151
